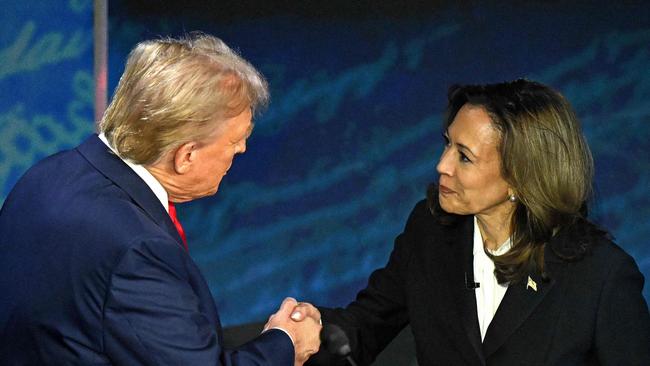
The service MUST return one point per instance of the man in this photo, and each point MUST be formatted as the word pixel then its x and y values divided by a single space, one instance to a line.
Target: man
pixel 94 266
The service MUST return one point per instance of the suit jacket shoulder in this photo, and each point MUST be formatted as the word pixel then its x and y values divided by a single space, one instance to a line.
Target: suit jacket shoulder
pixel 94 273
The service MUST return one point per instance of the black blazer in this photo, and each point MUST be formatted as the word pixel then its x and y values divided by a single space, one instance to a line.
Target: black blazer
pixel 589 312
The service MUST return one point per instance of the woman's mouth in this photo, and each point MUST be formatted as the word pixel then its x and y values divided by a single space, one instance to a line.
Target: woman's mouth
pixel 444 190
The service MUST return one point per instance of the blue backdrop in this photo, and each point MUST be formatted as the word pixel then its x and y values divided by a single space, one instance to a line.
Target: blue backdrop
pixel 352 134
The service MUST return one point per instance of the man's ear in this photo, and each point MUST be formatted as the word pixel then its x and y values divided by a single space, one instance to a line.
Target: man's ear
pixel 184 157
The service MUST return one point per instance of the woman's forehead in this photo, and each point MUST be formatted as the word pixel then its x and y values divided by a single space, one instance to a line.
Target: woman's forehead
pixel 473 128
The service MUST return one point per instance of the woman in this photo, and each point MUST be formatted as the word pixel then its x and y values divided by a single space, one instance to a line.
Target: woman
pixel 499 265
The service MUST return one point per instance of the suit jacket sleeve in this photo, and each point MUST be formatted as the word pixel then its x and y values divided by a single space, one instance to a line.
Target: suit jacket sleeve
pixel 379 312
pixel 153 316
pixel 623 321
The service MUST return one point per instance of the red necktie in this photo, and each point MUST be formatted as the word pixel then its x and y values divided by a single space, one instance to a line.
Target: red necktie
pixel 179 227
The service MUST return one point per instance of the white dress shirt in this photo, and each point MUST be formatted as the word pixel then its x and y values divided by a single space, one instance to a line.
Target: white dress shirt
pixel 489 293
pixel 144 174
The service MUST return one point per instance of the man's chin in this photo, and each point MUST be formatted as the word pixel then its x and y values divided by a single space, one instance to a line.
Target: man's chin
pixel 211 192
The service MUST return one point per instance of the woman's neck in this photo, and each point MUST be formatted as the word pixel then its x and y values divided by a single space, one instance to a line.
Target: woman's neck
pixel 495 228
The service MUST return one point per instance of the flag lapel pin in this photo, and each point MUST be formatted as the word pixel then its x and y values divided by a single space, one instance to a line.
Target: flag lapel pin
pixel 531 284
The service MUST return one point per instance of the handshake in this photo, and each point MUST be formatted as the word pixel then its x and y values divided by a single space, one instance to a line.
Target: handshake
pixel 301 321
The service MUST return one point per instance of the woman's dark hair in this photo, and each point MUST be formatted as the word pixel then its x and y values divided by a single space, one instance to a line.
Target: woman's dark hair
pixel 544 158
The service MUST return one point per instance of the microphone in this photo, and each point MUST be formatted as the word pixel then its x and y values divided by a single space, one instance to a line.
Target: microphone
pixel 470 284
pixel 336 342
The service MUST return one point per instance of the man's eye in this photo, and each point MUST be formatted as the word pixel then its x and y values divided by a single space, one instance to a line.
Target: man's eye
pixel 464 158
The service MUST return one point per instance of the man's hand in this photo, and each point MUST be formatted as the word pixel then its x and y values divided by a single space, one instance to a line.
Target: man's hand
pixel 302 322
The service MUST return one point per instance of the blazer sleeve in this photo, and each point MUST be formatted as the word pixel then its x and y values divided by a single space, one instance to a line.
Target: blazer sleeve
pixel 152 316
pixel 379 311
pixel 623 320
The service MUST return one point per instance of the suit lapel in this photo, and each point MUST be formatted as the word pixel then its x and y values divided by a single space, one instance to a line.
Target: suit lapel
pixel 519 302
pixel 113 168
pixel 466 294
pixel 462 300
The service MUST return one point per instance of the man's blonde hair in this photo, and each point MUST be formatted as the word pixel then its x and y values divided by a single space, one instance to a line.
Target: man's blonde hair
pixel 174 91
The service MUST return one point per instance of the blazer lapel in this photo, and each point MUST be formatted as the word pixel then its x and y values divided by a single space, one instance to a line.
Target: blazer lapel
pixel 519 302
pixel 112 167
pixel 459 267
pixel 466 294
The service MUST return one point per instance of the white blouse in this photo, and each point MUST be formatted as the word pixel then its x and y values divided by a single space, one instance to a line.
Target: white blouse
pixel 489 293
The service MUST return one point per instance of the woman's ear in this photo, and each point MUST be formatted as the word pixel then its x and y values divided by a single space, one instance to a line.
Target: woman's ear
pixel 512 196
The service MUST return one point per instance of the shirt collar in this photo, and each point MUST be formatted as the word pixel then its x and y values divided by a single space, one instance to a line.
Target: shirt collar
pixel 478 243
pixel 144 174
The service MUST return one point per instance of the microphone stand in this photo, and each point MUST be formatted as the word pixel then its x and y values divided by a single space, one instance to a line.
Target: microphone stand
pixel 336 342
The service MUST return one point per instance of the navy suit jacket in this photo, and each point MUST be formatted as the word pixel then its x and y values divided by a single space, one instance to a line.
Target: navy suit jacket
pixel 590 310
pixel 93 272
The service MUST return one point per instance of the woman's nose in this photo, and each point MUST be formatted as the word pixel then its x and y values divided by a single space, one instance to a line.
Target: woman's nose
pixel 444 164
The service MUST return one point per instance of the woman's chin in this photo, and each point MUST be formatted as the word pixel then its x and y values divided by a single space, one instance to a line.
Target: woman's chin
pixel 449 205
pixel 444 202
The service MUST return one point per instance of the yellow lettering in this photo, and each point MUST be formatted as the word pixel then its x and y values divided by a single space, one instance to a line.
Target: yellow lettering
pixel 11 54
pixel 51 48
